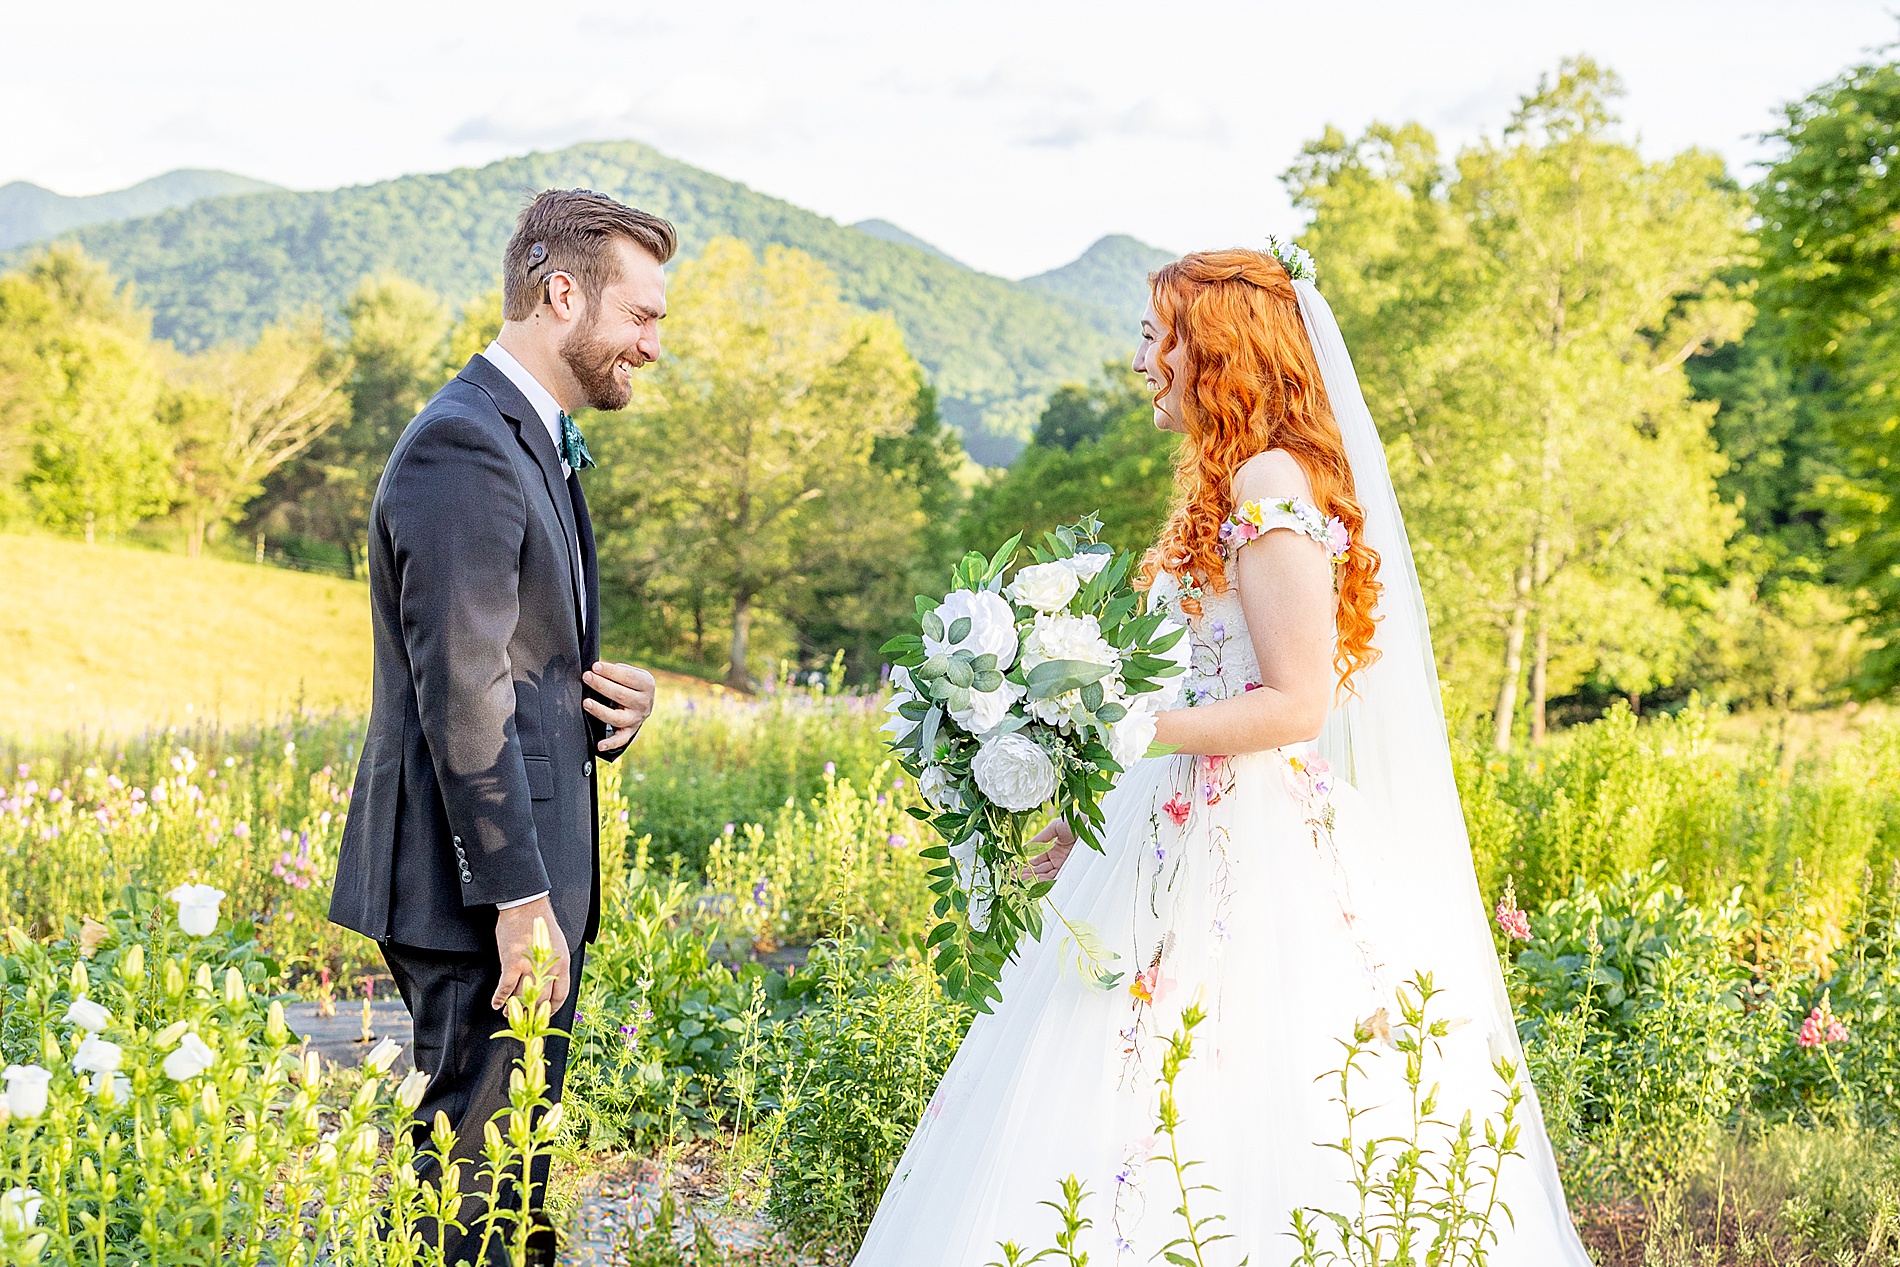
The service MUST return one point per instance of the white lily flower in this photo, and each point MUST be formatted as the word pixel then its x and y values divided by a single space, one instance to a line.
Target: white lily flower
pixel 96 1055
pixel 197 908
pixel 19 1209
pixel 191 1058
pixel 409 1091
pixel 88 1015
pixel 383 1055
pixel 26 1090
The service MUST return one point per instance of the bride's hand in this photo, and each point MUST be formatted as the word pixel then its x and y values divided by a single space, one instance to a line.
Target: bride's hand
pixel 1061 840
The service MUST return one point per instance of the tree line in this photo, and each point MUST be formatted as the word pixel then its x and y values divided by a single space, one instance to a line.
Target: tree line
pixel 1640 417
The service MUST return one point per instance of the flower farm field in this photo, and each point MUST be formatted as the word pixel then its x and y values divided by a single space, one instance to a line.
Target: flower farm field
pixel 1710 991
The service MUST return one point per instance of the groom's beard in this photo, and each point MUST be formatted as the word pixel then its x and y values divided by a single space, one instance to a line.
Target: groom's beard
pixel 592 359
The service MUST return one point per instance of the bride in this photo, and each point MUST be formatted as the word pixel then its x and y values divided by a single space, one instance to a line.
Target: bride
pixel 1299 858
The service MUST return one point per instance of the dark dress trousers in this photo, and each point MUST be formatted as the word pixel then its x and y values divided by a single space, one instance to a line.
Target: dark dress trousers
pixel 476 784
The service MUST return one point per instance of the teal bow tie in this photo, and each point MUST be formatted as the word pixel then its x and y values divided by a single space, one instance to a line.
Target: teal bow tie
pixel 574 445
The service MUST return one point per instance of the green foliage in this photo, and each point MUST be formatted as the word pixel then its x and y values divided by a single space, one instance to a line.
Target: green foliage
pixel 222 269
pixel 1519 321
pixel 1429 1193
pixel 1831 279
pixel 856 1074
pixel 744 465
pixel 1096 450
pixel 79 390
pixel 1622 795
pixel 180 1122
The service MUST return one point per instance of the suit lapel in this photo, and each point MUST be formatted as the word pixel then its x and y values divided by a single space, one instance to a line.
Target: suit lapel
pixel 590 639
pixel 533 436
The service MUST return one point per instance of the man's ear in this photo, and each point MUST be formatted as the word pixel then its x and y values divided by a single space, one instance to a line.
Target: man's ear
pixel 564 296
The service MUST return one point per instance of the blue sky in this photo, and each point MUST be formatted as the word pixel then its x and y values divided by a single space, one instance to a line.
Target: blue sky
pixel 1011 134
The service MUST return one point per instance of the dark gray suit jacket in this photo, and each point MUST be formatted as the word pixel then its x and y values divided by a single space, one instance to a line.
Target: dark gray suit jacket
pixel 476 784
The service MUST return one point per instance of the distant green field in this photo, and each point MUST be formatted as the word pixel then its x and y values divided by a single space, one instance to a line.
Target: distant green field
pixel 112 638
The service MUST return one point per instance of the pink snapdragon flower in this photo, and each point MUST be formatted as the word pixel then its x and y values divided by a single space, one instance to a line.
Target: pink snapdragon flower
pixel 1515 922
pixel 1822 1026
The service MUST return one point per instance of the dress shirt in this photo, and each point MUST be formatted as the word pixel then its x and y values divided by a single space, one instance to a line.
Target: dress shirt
pixel 549 411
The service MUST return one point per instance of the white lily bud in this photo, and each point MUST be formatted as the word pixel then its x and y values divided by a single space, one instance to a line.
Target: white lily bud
pixel 383 1056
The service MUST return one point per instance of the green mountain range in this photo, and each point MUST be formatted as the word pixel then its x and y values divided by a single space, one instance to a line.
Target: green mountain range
pixel 1111 275
pixel 29 212
pixel 221 268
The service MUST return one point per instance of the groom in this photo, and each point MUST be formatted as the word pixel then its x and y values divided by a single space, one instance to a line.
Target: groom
pixel 474 813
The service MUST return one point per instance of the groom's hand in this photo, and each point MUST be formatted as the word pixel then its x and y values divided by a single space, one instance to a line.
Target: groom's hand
pixel 514 943
pixel 629 692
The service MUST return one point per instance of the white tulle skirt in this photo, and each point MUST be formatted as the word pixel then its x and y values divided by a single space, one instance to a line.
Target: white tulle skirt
pixel 1251 886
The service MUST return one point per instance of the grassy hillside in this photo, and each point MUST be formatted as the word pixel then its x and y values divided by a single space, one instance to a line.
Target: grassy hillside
pixel 28 212
pixel 221 268
pixel 114 638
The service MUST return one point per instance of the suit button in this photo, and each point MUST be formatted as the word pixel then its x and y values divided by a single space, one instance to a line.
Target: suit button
pixel 587 768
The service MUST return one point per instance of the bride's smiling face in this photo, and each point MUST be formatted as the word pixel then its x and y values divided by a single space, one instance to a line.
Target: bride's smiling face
pixel 1150 364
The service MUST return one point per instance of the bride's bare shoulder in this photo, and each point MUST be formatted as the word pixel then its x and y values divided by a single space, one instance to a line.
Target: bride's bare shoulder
pixel 1269 475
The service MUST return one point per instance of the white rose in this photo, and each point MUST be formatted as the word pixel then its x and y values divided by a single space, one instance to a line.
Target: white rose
pixel 26 1090
pixel 96 1055
pixel 992 626
pixel 1014 773
pixel 1087 566
pixel 988 708
pixel 1129 738
pixel 192 1058
pixel 1047 587
pixel 197 908
pixel 937 789
pixel 88 1015
pixel 19 1209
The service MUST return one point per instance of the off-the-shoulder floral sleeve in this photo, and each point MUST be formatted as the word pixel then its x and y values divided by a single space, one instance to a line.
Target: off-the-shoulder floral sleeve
pixel 1256 519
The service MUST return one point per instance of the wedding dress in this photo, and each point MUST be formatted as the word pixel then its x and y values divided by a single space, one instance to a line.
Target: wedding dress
pixel 1289 893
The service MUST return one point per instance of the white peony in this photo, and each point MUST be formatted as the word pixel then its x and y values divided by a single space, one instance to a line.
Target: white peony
pixel 197 908
pixel 1087 566
pixel 988 708
pixel 1060 636
pixel 88 1015
pixel 19 1209
pixel 1064 637
pixel 1047 587
pixel 992 626
pixel 1014 772
pixel 192 1058
pixel 937 789
pixel 96 1055
pixel 1129 738
pixel 26 1090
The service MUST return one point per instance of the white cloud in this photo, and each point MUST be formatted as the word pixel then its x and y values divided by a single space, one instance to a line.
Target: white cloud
pixel 1012 133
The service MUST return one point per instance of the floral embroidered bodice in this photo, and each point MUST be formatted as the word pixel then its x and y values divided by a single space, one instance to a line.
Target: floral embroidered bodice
pixel 1224 664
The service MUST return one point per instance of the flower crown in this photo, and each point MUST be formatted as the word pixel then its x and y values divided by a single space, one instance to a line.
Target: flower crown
pixel 1294 259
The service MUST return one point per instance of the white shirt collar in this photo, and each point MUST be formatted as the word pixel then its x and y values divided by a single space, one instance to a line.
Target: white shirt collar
pixel 543 400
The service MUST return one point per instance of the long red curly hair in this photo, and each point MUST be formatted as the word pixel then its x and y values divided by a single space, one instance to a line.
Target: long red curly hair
pixel 1252 385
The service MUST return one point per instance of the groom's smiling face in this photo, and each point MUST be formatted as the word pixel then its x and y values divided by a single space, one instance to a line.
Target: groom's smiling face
pixel 619 331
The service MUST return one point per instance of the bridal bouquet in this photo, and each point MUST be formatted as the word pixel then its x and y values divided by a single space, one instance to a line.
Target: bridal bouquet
pixel 1012 700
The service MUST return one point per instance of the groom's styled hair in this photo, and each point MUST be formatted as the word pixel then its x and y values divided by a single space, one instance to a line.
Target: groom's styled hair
pixel 571 231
